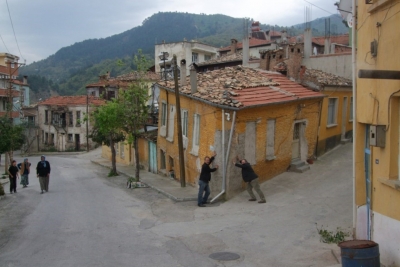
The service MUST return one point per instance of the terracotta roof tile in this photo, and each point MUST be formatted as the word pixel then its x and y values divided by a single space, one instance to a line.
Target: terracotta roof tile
pixel 323 78
pixel 245 87
pixel 78 100
pixel 252 42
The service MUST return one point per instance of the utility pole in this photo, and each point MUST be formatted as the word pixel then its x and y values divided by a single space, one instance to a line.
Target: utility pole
pixel 180 139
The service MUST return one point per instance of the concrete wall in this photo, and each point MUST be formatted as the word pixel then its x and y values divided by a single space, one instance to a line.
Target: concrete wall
pixel 339 65
pixel 378 103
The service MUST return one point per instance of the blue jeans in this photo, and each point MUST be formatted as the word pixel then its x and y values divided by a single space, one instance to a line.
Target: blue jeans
pixel 203 186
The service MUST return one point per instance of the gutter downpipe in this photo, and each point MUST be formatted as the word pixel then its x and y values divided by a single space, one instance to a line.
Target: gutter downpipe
pixel 353 53
pixel 225 159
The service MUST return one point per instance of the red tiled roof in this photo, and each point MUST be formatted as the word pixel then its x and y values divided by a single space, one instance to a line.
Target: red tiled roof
pixel 124 80
pixel 4 92
pixel 79 100
pixel 14 114
pixel 339 39
pixel 252 42
pixel 243 87
pixel 286 91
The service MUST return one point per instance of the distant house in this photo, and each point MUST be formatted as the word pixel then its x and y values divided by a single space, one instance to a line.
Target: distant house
pixel 190 51
pixel 261 116
pixel 61 122
pixel 11 89
pixel 336 123
pixel 224 61
pixel 124 151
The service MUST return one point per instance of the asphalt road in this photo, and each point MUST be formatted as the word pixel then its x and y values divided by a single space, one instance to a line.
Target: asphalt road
pixel 88 219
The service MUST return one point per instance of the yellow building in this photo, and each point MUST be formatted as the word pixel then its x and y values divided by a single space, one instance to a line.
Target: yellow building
pixel 259 115
pixel 377 185
pixel 110 86
pixel 336 122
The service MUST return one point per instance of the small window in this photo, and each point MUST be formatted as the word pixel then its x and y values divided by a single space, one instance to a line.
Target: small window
pixel 163 114
pixel 78 118
pixel 71 118
pixel 162 160
pixel 46 117
pixel 332 111
pixel 298 50
pixel 70 138
pixel 273 56
pixel 12 65
pixel 280 56
pixel 196 134
pixel 292 50
pixel 270 149
pixel 207 57
pixel 184 123
pixel 195 57
pixel 351 109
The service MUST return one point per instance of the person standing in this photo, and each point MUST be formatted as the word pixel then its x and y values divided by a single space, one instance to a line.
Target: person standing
pixel 24 170
pixel 205 177
pixel 12 174
pixel 43 172
pixel 251 178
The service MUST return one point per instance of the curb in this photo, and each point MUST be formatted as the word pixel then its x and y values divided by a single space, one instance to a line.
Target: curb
pixel 172 197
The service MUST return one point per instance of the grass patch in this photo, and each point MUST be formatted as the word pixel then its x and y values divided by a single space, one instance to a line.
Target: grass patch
pixel 329 237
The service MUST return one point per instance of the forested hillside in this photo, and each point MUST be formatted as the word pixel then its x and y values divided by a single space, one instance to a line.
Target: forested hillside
pixel 71 68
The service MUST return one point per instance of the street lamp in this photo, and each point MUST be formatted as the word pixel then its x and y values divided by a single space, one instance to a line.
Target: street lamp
pixel 164 56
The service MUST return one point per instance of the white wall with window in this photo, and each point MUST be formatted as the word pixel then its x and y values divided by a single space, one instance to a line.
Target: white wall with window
pixel 332 111
pixel 195 57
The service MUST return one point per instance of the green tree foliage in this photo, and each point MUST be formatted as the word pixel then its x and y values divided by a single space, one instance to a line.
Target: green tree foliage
pixel 108 120
pixel 134 101
pixel 12 137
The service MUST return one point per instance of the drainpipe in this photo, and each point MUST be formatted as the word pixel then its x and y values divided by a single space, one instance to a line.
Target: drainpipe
pixel 225 159
pixel 353 55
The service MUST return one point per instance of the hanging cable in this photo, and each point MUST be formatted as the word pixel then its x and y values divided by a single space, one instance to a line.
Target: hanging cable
pixel 4 44
pixel 12 25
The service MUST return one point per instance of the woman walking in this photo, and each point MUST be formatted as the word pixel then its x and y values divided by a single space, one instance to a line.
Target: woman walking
pixel 12 174
pixel 24 170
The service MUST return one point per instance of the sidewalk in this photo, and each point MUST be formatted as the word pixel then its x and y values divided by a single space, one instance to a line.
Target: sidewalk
pixel 165 185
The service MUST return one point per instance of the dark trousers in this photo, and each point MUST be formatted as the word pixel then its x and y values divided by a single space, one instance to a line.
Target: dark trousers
pixel 13 184
pixel 203 187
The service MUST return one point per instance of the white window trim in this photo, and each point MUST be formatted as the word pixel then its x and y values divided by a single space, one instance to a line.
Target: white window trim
pixel 196 134
pixel 270 142
pixel 329 125
pixel 164 119
pixel 171 123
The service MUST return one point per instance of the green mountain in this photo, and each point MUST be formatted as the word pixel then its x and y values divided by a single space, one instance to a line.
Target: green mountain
pixel 71 68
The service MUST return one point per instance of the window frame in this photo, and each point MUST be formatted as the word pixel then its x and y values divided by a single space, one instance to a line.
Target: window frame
pixel 335 112
pixel 196 133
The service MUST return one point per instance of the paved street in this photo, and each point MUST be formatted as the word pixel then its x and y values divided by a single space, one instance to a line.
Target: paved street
pixel 88 219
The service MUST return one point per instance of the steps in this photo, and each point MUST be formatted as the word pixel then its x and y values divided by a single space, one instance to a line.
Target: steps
pixel 298 166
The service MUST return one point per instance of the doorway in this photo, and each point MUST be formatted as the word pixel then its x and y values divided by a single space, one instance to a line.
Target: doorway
pixel 296 141
pixel 77 142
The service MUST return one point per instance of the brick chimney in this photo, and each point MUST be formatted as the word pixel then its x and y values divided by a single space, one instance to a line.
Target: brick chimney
pixel 284 36
pixel 193 80
pixel 25 80
pixel 233 46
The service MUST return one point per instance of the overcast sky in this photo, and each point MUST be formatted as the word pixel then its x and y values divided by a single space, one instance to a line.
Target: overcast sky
pixel 42 27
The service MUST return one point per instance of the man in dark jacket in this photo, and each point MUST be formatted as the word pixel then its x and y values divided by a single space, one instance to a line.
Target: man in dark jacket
pixel 43 172
pixel 205 177
pixel 251 178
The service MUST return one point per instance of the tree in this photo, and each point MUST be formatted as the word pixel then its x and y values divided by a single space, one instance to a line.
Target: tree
pixel 12 137
pixel 134 101
pixel 108 120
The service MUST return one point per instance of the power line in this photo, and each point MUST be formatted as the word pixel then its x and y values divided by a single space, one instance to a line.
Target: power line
pixel 318 7
pixel 4 43
pixel 12 25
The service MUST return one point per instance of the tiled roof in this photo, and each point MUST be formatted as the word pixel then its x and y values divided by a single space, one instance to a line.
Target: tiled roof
pixel 124 79
pixel 252 42
pixel 79 100
pixel 238 56
pixel 243 87
pixel 338 39
pixel 323 78
pixel 4 92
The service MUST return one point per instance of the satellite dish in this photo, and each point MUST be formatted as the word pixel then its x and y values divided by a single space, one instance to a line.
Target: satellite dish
pixel 350 20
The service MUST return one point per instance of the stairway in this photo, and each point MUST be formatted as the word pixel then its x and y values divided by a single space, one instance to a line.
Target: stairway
pixel 298 166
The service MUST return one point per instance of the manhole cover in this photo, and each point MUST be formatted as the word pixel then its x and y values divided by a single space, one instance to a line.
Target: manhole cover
pixel 224 256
